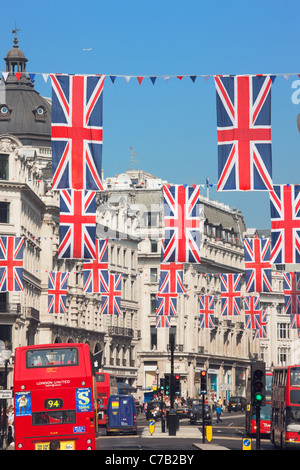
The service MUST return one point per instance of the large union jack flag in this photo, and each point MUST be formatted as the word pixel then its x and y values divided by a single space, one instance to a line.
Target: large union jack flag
pixel 111 293
pixel 182 224
pixel 166 304
pixel 163 321
pixel 11 264
pixel 171 278
pixel 57 292
pixel 77 224
pixel 257 265
pixel 285 224
pixel 230 294
pixel 207 309
pixel 291 289
pixel 261 326
pixel 295 321
pixel 92 269
pixel 76 131
pixel 244 132
pixel 252 312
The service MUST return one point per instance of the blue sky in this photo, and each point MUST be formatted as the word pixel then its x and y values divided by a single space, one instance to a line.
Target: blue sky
pixel 170 125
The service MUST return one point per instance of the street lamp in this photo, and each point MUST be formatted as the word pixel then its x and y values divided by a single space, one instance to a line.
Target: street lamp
pixel 5 355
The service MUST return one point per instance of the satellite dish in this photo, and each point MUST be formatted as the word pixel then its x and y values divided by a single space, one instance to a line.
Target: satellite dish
pixel 298 122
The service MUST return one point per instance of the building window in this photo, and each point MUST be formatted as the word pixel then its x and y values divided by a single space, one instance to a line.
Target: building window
pixel 153 337
pixel 153 246
pixel 153 304
pixel 3 167
pixel 283 331
pixel 4 212
pixel 153 274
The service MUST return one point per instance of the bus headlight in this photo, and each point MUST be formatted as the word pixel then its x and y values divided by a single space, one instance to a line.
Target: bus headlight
pixel 20 446
pixel 89 441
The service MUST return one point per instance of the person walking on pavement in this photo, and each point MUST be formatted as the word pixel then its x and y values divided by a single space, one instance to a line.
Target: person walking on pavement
pixel 219 413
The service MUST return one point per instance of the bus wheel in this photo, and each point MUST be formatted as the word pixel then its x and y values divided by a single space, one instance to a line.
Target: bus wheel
pixel 282 442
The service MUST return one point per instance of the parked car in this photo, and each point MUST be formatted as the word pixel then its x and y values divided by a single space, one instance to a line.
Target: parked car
pixel 236 404
pixel 155 409
pixel 196 415
pixel 121 415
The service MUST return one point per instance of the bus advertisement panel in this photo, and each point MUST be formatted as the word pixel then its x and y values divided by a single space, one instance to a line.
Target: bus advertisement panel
pixel 106 385
pixel 54 393
pixel 265 410
pixel 285 406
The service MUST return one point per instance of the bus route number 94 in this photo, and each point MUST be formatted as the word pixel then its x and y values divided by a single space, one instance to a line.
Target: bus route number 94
pixel 53 403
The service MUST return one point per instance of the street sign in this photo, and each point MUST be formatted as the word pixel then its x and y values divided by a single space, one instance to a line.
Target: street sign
pixel 246 444
pixel 151 426
pixel 5 394
pixel 209 433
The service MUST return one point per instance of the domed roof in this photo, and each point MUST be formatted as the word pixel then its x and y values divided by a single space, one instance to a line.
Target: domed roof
pixel 25 113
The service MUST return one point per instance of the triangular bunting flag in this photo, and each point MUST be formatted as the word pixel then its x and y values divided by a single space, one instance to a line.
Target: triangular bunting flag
pixel 45 76
pixel 140 79
pixel 113 77
pixel 5 75
pixel 18 75
pixel 153 79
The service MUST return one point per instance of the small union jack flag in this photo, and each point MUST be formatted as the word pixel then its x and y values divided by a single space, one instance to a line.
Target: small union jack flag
pixel 166 304
pixel 92 269
pixel 182 224
pixel 261 325
pixel 291 289
pixel 76 131
pixel 244 133
pixel 11 264
pixel 171 278
pixel 252 312
pixel 207 306
pixel 295 321
pixel 77 224
pixel 285 224
pixel 163 321
pixel 230 294
pixel 111 293
pixel 57 292
pixel 257 265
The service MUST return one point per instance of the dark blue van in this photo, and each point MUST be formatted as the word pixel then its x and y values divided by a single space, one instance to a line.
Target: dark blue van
pixel 121 414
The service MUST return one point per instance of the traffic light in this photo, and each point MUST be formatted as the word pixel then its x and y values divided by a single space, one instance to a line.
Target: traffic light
pixel 167 383
pixel 162 385
pixel 258 383
pixel 203 384
pixel 177 389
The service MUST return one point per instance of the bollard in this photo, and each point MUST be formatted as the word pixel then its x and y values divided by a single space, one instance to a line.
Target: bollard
pixel 172 422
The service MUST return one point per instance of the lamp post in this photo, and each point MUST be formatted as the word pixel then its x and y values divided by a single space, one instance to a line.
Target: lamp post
pixel 5 355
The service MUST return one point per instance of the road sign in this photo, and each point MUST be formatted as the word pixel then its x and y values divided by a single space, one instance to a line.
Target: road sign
pixel 151 426
pixel 246 444
pixel 209 433
pixel 5 394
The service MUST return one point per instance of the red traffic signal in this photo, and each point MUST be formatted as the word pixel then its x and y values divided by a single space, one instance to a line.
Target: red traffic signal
pixel 203 385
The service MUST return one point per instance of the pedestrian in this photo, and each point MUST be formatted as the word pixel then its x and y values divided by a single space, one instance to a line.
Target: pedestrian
pixel 219 411
pixel 10 424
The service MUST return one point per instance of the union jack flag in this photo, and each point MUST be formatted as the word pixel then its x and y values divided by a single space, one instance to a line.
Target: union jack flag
pixel 77 224
pixel 252 312
pixel 57 292
pixel 171 278
pixel 182 224
pixel 166 304
pixel 163 321
pixel 92 269
pixel 230 294
pixel 111 293
pixel 291 289
pixel 261 326
pixel 285 224
pixel 207 306
pixel 295 321
pixel 76 132
pixel 11 264
pixel 244 133
pixel 257 265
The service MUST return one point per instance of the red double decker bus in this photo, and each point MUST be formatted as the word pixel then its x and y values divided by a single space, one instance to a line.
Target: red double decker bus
pixel 265 410
pixel 285 406
pixel 54 394
pixel 106 385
